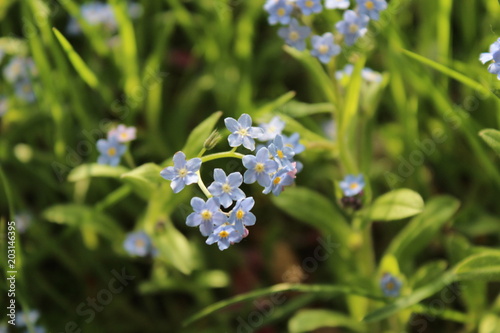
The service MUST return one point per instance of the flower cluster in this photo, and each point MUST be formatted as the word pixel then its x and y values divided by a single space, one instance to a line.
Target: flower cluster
pixel 112 149
pixel 390 285
pixel 272 167
pixel 19 72
pixel 138 244
pixel 353 26
pixel 352 189
pixel 492 55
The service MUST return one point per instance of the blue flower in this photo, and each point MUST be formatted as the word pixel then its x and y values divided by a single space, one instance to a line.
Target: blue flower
pixel 241 216
pixel 23 318
pixel 280 11
pixel 123 133
pixel 352 185
pixel 369 75
pixel 224 236
pixel 292 141
pixel 284 177
pixel 294 35
pixel 281 153
pixel 111 151
pixel 206 215
pixel 23 221
pixel 494 67
pixel 271 129
pixel 324 48
pixel 242 132
pixel 372 8
pixel 24 90
pixel 353 26
pixel 138 244
pixel 344 72
pixel 182 173
pixel 226 189
pixel 309 7
pixel 390 285
pixel 19 68
pixel 488 56
pixel 340 4
pixel 4 105
pixel 259 167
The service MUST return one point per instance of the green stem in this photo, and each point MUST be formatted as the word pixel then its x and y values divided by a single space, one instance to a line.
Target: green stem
pixel 226 154
pixel 129 159
pixel 202 186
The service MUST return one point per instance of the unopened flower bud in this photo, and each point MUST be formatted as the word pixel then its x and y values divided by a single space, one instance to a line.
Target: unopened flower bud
pixel 212 140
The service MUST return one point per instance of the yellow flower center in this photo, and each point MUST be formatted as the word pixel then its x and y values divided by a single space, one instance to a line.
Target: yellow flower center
pixel 183 172
pixel 294 35
pixel 281 12
pixel 323 49
pixel 242 132
pixel 309 3
pixel 390 285
pixel 277 180
pixel 112 151
pixel 223 234
pixel 353 186
pixel 369 5
pixel 353 28
pixel 206 215
pixel 240 214
pixel 123 135
pixel 259 167
pixel 226 188
pixel 139 243
pixel 280 154
pixel 289 145
pixel 27 88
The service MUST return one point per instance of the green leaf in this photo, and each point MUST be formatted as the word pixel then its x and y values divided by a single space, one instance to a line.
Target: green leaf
pixel 352 97
pixel 492 138
pixel 427 273
pixel 199 134
pixel 310 320
pixel 144 179
pixel 86 171
pixel 297 109
pixel 421 229
pixel 490 323
pixel 479 267
pixel 396 205
pixel 272 106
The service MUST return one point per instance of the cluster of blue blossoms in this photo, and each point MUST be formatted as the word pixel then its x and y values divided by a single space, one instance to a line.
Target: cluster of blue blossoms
pixel 353 26
pixel 19 72
pixel 112 149
pixel 492 55
pixel 272 167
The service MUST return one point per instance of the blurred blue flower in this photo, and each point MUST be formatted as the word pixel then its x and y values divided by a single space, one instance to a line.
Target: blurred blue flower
pixel 182 173
pixel 110 151
pixel 19 69
pixel 292 141
pixel 4 105
pixel 224 236
pixel 344 72
pixel 23 318
pixel 284 177
pixel 324 48
pixel 281 153
pixel 280 11
pixel 24 90
pixel 352 26
pixel 206 215
pixel 340 4
pixel 242 131
pixel 226 188
pixel 273 128
pixel 494 67
pixel 352 185
pixel 488 56
pixel 123 133
pixel 23 221
pixel 294 35
pixel 390 285
pixel 241 215
pixel 309 7
pixel 371 8
pixel 259 167
pixel 369 75
pixel 138 244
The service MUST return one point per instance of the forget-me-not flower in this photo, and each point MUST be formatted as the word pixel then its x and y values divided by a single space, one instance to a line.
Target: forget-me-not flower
pixel 294 35
pixel 259 167
pixel 24 90
pixel 23 318
pixel 138 244
pixel 183 172
pixel 271 129
pixel 224 236
pixel 488 56
pixel 123 133
pixel 242 131
pixel 352 26
pixel 494 67
pixel 279 180
pixel 369 75
pixel 390 285
pixel 19 68
pixel 206 215
pixel 226 188
pixel 309 7
pixel 110 151
pixel 23 221
pixel 324 48
pixel 281 153
pixel 372 8
pixel 340 4
pixel 292 141
pixel 280 11
pixel 241 215
pixel 352 185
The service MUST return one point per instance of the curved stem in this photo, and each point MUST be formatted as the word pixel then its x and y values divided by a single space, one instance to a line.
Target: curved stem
pixel 226 154
pixel 202 186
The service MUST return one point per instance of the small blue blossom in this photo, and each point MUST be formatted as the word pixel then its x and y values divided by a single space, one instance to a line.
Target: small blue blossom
pixel 111 151
pixel 23 221
pixel 241 215
pixel 494 67
pixel 19 68
pixel 24 90
pixel 324 48
pixel 224 236
pixel 271 129
pixel 281 153
pixel 292 141
pixel 284 177
pixel 206 215
pixel 390 285
pixel 183 172
pixel 259 167
pixel 280 11
pixel 352 185
pixel 226 188
pixel 123 133
pixel 344 72
pixel 23 318
pixel 340 4
pixel 4 105
pixel 294 35
pixel 352 26
pixel 329 129
pixel 138 244
pixel 371 8
pixel 488 56
pixel 242 132
pixel 309 7
pixel 369 75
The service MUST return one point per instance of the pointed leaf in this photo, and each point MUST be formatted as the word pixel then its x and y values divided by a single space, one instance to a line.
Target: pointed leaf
pixel 492 138
pixel 482 267
pixel 144 179
pixel 396 205
pixel 310 320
